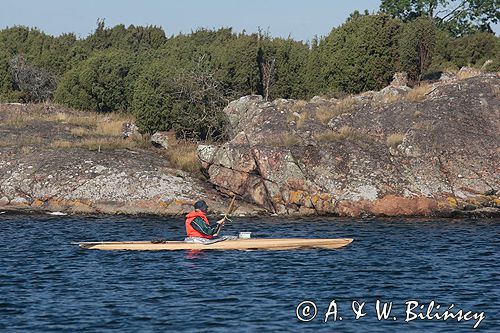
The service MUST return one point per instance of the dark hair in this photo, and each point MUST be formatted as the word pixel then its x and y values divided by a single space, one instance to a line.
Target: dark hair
pixel 200 204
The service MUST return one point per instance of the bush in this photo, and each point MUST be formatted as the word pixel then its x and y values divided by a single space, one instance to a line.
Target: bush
pixel 5 77
pixel 470 50
pixel 360 55
pixel 282 64
pixel 235 64
pixel 475 49
pixel 188 101
pixel 152 102
pixel 101 83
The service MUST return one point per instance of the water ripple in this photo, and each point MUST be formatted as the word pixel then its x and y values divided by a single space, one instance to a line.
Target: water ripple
pixel 49 284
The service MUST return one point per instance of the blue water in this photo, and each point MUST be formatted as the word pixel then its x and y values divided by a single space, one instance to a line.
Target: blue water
pixel 49 284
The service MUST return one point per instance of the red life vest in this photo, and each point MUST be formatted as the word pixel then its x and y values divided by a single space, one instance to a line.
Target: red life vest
pixel 192 232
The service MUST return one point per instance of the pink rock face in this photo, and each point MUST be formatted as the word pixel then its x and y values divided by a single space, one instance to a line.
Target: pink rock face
pixel 448 147
pixel 392 205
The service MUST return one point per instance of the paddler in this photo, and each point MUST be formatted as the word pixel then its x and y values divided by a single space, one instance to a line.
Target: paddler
pixel 197 224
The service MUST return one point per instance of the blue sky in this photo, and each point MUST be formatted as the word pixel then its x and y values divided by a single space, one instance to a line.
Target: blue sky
pixel 300 19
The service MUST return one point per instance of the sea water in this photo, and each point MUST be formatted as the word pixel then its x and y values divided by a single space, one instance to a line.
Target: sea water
pixel 398 275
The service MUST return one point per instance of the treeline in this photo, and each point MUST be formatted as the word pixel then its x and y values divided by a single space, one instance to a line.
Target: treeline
pixel 183 82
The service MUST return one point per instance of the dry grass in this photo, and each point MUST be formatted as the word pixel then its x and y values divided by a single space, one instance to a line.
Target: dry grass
pixel 89 119
pixel 419 93
pixel 101 144
pixel 28 141
pixel 462 75
pixel 325 113
pixel 110 128
pixel 22 141
pixel 395 140
pixel 346 132
pixel 84 120
pixel 107 128
pixel 184 155
pixel 17 120
pixel 62 144
pixel 297 113
pixel 391 98
pixel 89 130
pixel 298 106
pixel 302 120
pixel 284 140
pixel 79 132
pixel 92 123
pixel 103 124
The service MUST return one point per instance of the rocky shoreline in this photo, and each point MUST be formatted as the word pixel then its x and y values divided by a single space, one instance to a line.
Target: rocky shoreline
pixel 397 152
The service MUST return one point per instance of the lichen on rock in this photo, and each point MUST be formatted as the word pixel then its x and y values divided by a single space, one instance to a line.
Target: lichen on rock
pixel 449 146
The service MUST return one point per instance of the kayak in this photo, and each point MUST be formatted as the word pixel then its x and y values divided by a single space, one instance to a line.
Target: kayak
pixel 238 244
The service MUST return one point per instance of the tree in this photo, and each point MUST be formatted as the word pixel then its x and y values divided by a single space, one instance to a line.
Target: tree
pixel 314 81
pixel 268 70
pixel 458 16
pixel 198 103
pixel 189 101
pixel 417 43
pixel 291 64
pixel 235 63
pixel 360 55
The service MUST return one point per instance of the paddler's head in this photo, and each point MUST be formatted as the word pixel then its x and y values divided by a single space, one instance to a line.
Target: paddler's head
pixel 201 205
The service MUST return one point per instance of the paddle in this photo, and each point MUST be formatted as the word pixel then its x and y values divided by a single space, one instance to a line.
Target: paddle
pixel 228 211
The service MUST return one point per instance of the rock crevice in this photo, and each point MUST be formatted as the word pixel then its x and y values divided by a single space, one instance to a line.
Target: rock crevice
pixel 417 155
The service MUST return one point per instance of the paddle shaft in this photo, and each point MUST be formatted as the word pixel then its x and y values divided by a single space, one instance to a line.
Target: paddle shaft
pixel 229 210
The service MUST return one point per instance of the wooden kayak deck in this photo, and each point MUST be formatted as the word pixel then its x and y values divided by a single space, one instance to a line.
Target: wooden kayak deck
pixel 239 244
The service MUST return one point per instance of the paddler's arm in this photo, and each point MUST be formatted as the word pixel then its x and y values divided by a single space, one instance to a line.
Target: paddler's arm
pixel 210 230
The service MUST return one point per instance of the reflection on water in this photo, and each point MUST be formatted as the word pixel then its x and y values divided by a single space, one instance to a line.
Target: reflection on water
pixel 194 254
pixel 49 284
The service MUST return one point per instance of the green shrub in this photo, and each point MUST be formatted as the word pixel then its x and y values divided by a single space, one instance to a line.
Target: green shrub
pixel 188 101
pixel 360 55
pixel 416 47
pixel 100 83
pixel 475 49
pixel 152 103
